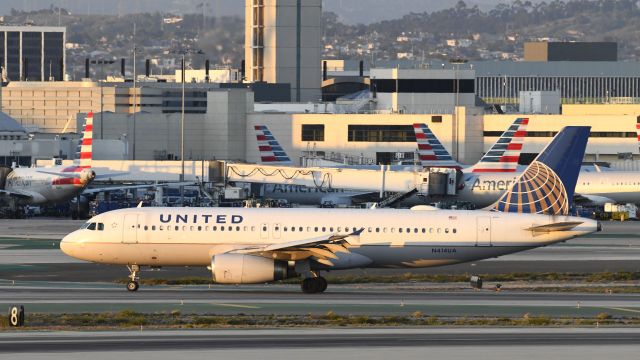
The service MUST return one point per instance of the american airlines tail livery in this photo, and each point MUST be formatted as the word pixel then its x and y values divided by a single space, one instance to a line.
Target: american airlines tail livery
pixel 502 157
pixel 244 246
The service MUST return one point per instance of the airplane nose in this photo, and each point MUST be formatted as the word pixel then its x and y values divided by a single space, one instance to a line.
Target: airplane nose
pixel 67 244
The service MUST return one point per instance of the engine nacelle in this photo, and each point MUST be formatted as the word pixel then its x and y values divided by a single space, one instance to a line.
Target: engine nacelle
pixel 248 269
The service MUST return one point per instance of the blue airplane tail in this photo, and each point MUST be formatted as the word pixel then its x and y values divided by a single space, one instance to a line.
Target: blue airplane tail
pixel 548 183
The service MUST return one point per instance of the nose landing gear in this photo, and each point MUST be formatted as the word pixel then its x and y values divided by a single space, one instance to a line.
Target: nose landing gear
pixel 133 285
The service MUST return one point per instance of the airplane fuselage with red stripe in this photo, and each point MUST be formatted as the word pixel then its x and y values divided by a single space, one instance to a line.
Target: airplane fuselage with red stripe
pixel 42 188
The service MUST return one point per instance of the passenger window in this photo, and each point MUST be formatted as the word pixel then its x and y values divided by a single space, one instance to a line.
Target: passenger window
pixel 264 228
pixel 346 229
pixel 153 227
pixel 316 229
pixel 237 228
pixel 424 230
pixel 300 228
pixel 393 230
pixel 221 228
pixel 415 230
pixel 324 229
pixel 230 228
pixel 331 229
pixel 184 227
pixel 253 228
pixel 369 230
pixel 162 227
pixel 454 230
pixel 400 230
pixel 293 229
pixel 199 228
pixel 377 230
pixel 246 228
pixel 438 230
pixel 285 228
pixel 191 228
pixel 206 228
pixel 409 230
pixel 177 228
pixel 214 228
pixel 384 230
pixel 446 230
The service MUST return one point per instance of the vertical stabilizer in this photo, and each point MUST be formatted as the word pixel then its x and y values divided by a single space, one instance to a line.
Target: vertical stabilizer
pixel 430 150
pixel 548 184
pixel 270 150
pixel 86 143
pixel 505 153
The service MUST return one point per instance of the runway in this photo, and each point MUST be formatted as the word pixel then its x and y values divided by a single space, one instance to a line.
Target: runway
pixel 326 343
pixel 376 300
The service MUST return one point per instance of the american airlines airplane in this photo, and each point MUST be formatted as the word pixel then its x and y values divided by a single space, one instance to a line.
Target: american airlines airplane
pixel 33 186
pixel 498 169
pixel 56 184
pixel 502 157
pixel 244 246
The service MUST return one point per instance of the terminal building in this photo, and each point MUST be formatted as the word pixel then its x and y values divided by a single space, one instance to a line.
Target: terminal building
pixel 33 53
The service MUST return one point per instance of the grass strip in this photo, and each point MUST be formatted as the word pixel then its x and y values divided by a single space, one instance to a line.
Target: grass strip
pixel 128 319
pixel 599 277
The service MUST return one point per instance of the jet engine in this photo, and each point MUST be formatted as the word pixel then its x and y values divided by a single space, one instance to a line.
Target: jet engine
pixel 248 269
pixel 4 172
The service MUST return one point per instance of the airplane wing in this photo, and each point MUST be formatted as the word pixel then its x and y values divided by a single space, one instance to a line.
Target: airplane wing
pixel 61 174
pixel 18 194
pixel 321 249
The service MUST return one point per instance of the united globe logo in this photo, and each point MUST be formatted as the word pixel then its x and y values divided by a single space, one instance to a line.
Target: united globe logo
pixel 539 190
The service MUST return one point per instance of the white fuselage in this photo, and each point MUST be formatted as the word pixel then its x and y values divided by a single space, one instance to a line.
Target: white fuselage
pixel 391 238
pixel 39 187
pixel 608 186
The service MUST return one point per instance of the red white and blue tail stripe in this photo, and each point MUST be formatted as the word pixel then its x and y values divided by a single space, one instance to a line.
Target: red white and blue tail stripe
pixel 638 129
pixel 505 153
pixel 430 151
pixel 85 148
pixel 270 150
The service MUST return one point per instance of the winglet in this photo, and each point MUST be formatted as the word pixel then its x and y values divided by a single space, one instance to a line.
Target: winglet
pixel 357 232
pixel 270 150
pixel 431 152
pixel 548 183
pixel 505 152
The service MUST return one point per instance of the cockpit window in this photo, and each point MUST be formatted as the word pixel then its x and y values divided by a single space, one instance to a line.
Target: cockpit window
pixel 85 225
pixel 91 226
pixel 100 226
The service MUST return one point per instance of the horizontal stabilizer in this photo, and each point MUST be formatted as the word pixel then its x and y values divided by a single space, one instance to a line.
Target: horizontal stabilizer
pixel 561 226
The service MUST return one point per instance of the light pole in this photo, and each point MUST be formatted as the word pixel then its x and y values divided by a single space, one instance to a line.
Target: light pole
pixel 182 134
pixel 101 62
pixel 183 53
pixel 456 63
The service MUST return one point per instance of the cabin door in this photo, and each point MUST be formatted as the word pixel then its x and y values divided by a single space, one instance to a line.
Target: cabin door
pixel 130 229
pixel 483 231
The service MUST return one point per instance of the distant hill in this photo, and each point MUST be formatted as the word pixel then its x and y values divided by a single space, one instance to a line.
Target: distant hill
pixel 349 11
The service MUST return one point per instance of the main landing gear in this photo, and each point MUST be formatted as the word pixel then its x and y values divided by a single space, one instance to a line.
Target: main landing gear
pixel 133 285
pixel 312 285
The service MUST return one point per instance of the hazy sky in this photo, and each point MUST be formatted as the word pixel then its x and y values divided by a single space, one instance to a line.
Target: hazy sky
pixel 350 11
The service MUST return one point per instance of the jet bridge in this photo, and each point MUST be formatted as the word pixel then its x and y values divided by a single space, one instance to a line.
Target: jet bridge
pixel 431 182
